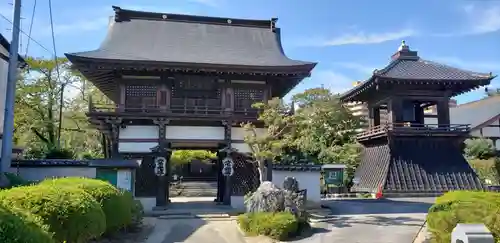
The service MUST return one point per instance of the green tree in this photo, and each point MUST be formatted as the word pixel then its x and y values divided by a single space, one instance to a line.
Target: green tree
pixel 37 96
pixel 180 157
pixel 479 148
pixel 279 124
pixel 38 102
pixel 325 129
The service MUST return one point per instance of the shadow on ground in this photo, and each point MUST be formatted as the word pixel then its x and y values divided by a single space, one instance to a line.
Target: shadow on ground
pixel 381 206
pixel 181 231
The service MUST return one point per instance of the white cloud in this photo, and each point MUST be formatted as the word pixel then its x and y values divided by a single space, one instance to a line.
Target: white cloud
pixel 332 80
pixel 81 25
pixel 480 66
pixel 361 68
pixel 211 3
pixel 361 38
pixel 484 19
pixel 479 19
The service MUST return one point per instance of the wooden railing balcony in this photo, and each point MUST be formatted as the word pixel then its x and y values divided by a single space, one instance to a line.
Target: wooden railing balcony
pixel 413 129
pixel 180 110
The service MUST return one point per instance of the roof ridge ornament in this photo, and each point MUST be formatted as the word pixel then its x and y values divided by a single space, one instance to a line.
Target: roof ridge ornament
pixel 404 46
pixel 405 53
pixel 273 24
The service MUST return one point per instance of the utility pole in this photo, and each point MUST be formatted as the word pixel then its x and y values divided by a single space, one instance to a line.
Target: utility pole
pixel 8 127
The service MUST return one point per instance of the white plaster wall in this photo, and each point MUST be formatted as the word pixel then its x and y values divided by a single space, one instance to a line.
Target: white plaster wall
pixel 238 133
pixel 135 147
pixel 309 180
pixel 430 120
pixel 241 147
pixel 131 132
pixel 238 202
pixel 148 203
pixel 40 173
pixel 195 132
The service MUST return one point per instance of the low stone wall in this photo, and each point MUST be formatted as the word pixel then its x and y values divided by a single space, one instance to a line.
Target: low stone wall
pixel 37 170
pixel 308 176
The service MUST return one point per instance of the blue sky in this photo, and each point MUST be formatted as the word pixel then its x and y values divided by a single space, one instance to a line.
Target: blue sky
pixel 348 38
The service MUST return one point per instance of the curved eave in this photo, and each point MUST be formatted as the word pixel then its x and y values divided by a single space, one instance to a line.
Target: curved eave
pixel 352 95
pixel 303 70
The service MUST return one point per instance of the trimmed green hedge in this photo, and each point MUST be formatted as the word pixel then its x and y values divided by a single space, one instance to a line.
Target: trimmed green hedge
pixel 71 214
pixel 278 226
pixel 17 226
pixel 463 207
pixel 117 205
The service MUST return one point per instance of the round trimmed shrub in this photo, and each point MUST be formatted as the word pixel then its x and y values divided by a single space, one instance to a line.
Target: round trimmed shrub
pixel 463 207
pixel 71 214
pixel 17 226
pixel 277 226
pixel 117 205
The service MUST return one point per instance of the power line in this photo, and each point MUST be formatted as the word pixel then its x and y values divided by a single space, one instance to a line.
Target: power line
pixel 58 75
pixel 24 33
pixel 31 28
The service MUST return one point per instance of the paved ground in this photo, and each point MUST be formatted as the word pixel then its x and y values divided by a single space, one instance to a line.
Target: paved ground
pixel 368 221
pixel 353 221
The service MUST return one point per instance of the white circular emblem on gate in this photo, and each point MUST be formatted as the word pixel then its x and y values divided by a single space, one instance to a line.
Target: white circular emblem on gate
pixel 160 166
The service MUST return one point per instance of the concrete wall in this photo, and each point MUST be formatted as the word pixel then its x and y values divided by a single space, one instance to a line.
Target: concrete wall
pixel 310 180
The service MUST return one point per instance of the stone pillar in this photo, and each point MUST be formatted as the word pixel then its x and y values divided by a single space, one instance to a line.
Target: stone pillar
pixel 115 124
pixel 163 150
pixel 471 233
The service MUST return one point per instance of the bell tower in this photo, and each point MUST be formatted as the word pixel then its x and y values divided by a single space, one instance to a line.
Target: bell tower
pixel 403 154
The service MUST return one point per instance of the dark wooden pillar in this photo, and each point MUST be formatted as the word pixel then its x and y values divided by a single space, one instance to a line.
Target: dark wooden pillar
pixel 220 178
pixel 376 116
pixel 419 114
pixel 395 110
pixel 227 179
pixel 443 112
pixel 371 116
pixel 163 150
pixel 115 124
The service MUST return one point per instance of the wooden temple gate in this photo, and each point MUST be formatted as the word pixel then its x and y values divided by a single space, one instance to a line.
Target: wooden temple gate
pixel 184 92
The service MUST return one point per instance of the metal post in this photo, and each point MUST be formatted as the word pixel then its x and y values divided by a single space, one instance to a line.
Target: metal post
pixel 8 127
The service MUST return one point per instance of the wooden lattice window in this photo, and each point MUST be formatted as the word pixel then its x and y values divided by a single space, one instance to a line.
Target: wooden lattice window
pixel 244 98
pixel 196 87
pixel 199 91
pixel 138 95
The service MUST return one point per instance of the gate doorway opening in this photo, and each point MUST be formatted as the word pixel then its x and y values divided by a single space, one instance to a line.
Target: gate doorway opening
pixel 194 173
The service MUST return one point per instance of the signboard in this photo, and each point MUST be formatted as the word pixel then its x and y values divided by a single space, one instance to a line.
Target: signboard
pixel 334 177
pixel 160 166
pixel 124 180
